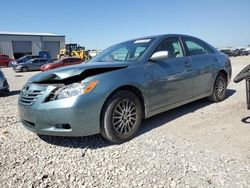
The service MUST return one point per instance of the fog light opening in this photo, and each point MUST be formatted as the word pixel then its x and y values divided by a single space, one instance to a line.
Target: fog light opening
pixel 63 126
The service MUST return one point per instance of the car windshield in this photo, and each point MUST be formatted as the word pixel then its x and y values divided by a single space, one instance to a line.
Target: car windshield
pixel 22 59
pixel 127 51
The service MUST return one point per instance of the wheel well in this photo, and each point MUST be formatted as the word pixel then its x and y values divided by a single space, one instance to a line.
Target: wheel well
pixel 135 91
pixel 224 73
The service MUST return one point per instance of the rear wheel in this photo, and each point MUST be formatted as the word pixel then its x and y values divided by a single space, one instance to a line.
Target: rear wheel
pixel 24 69
pixel 219 89
pixel 121 117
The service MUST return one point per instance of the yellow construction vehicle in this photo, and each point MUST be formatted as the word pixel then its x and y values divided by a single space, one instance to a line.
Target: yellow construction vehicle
pixel 74 50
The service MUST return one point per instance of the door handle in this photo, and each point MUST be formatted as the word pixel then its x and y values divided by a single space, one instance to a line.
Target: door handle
pixel 187 64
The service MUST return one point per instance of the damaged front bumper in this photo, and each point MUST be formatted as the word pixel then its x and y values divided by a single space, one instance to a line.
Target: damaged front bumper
pixel 74 116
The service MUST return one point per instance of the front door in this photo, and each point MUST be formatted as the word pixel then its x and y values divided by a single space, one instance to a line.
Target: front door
pixel 170 80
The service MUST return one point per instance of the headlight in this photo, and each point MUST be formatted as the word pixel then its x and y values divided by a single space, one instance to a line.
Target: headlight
pixel 74 90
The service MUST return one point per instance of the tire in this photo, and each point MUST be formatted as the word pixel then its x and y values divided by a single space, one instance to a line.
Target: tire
pixel 121 117
pixel 24 69
pixel 219 89
pixel 62 56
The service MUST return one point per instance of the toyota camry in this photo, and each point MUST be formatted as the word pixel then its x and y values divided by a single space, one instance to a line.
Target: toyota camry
pixel 124 84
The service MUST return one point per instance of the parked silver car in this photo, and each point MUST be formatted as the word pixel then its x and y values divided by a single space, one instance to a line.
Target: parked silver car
pixel 4 86
pixel 31 65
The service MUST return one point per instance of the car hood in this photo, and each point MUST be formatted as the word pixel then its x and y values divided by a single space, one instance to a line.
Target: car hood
pixel 63 73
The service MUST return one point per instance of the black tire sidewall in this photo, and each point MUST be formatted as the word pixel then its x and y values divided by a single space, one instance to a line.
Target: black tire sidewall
pixel 107 129
pixel 62 56
pixel 216 97
pixel 24 69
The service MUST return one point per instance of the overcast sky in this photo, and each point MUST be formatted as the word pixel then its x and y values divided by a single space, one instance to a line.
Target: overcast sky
pixel 100 23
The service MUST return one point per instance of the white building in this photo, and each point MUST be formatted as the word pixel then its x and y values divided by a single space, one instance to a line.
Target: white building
pixel 18 44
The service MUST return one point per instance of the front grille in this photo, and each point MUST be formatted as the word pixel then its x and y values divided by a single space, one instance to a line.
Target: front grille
pixel 28 97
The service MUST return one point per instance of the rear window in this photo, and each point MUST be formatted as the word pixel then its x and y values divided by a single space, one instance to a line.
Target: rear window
pixel 197 47
pixel 74 60
pixel 43 60
pixel 4 57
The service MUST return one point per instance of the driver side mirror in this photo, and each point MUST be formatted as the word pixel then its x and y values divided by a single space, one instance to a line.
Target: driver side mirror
pixel 161 55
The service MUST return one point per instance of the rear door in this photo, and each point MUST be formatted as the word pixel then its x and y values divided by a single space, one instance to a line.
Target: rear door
pixel 41 63
pixel 204 63
pixel 32 64
pixel 170 80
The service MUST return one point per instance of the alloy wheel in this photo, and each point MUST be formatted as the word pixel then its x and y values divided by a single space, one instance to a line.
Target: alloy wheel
pixel 124 117
pixel 220 87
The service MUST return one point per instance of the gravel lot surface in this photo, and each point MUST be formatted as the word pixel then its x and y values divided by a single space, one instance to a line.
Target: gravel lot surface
pixel 198 145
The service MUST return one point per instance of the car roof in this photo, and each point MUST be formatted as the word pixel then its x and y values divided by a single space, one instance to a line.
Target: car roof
pixel 164 36
pixel 161 36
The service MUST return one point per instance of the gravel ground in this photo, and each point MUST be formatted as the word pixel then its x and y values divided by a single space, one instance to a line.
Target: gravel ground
pixel 197 145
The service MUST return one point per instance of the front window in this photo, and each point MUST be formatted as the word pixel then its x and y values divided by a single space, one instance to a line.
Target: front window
pixel 127 51
pixel 172 45
pixel 35 61
pixel 23 59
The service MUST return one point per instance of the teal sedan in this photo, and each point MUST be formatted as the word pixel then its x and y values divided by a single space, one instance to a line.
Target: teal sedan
pixel 124 84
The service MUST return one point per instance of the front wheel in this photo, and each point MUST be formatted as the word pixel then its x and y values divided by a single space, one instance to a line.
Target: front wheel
pixel 219 89
pixel 121 117
pixel 24 69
